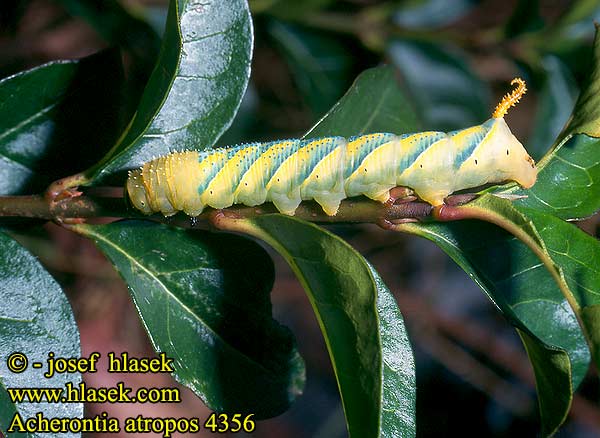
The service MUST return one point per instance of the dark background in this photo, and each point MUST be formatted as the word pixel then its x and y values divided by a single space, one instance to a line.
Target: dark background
pixel 473 376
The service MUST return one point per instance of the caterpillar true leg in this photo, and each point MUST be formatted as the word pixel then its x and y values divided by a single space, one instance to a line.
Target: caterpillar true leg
pixel 402 194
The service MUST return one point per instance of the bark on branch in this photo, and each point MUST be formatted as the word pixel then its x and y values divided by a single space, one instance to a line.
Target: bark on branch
pixel 82 207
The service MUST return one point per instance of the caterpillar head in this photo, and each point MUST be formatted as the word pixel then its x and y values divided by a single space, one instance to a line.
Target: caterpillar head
pixel 517 163
pixel 137 192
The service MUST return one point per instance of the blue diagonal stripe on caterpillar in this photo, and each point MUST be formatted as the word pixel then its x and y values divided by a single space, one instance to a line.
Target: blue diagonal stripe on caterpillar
pixel 330 169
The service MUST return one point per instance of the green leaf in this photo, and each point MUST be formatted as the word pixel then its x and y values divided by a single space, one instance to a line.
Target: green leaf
pixel 374 103
pixel 576 22
pixel 575 254
pixel 49 120
pixel 542 311
pixel 568 184
pixel 288 10
pixel 525 18
pixel 320 63
pixel 432 13
pixel 552 377
pixel 567 253
pixel 398 399
pixel 204 301
pixel 117 26
pixel 506 270
pixel 586 117
pixel 359 319
pixel 361 323
pixel 8 410
pixel 555 104
pixel 447 92
pixel 35 319
pixel 121 26
pixel 195 89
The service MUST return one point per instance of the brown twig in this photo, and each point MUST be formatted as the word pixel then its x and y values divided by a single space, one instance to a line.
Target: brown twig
pixel 78 207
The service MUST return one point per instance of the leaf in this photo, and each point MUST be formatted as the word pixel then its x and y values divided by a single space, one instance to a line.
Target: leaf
pixel 120 27
pixel 556 102
pixel 567 253
pixel 320 63
pixel 35 319
pixel 447 93
pixel 552 371
pixel 506 270
pixel 575 254
pixel 374 103
pixel 8 410
pixel 49 120
pixel 360 321
pixel 568 184
pixel 524 19
pixel 398 399
pixel 575 23
pixel 542 312
pixel 195 89
pixel 359 328
pixel 288 10
pixel 117 26
pixel 432 13
pixel 204 301
pixel 586 117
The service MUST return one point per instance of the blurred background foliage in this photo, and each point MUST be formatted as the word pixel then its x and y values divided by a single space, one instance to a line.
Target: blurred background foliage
pixel 454 58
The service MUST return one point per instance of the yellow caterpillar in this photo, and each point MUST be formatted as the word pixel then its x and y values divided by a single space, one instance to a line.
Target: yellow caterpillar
pixel 433 164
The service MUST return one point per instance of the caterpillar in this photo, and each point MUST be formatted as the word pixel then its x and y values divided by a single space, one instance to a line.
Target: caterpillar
pixel 433 164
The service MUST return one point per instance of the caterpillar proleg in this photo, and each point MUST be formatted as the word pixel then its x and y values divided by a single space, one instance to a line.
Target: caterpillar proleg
pixel 328 170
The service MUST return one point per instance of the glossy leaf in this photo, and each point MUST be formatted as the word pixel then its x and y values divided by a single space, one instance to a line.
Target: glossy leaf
pixel 204 301
pixel 506 270
pixel 447 93
pixel 567 253
pixel 568 184
pixel 342 287
pixel 374 103
pixel 320 63
pixel 195 89
pixel 399 383
pixel 561 353
pixel 49 120
pixel 33 311
pixel 360 321
pixel 575 254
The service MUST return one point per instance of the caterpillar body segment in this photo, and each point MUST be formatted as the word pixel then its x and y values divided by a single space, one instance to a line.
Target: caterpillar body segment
pixel 433 164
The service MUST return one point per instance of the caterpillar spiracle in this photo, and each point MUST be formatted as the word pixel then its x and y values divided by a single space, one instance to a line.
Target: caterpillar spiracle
pixel 328 170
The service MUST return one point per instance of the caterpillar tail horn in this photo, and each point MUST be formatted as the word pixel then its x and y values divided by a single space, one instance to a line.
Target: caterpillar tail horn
pixel 510 99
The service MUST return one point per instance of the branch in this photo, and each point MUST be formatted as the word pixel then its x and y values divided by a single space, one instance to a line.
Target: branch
pixel 39 206
pixel 356 210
